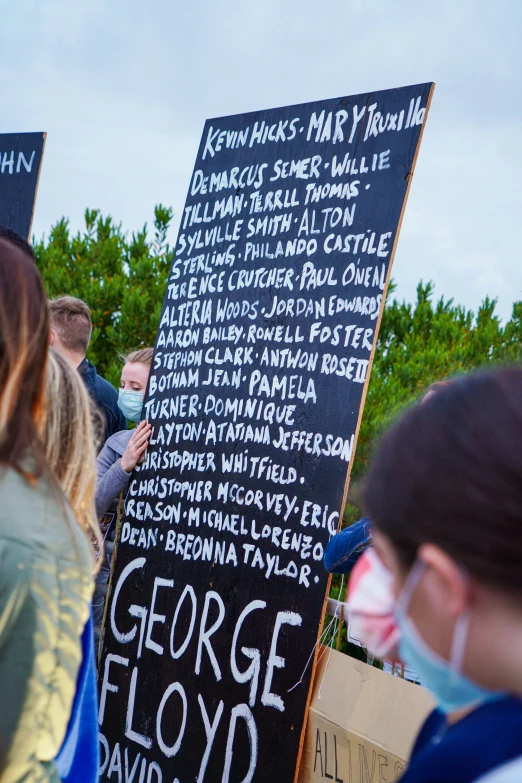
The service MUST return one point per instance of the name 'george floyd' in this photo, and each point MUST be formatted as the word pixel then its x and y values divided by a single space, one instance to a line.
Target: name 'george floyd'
pixel 261 363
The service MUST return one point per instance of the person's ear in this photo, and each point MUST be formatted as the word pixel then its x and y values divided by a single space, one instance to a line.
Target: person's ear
pixel 447 585
pixel 52 336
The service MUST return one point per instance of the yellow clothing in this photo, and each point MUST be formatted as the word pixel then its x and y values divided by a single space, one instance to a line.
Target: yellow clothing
pixel 45 592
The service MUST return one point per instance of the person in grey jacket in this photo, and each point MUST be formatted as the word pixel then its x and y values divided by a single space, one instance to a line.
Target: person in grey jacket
pixel 115 464
pixel 116 461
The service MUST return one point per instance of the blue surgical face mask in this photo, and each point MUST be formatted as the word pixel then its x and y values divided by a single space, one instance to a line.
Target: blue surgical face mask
pixel 445 679
pixel 130 404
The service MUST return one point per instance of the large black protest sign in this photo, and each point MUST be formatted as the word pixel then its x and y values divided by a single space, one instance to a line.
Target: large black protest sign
pixel 260 369
pixel 20 161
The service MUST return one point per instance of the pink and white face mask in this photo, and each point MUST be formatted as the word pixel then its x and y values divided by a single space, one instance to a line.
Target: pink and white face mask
pixel 371 606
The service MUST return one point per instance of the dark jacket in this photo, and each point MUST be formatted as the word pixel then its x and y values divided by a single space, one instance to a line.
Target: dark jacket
pixel 105 398
pixel 490 735
pixel 344 549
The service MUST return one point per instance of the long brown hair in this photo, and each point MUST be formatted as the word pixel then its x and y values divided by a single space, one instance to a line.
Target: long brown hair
pixel 24 334
pixel 70 443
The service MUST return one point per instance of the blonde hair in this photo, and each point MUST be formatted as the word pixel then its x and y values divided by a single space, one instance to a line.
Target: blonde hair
pixel 141 356
pixel 69 440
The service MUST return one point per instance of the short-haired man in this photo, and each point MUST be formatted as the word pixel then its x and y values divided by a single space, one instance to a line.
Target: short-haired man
pixel 70 333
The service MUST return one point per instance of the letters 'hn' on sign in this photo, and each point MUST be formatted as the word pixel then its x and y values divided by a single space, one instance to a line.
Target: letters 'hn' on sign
pixel 20 162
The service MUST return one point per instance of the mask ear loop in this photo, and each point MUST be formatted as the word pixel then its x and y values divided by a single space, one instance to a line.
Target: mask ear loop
pixel 410 585
pixel 460 635
pixel 458 645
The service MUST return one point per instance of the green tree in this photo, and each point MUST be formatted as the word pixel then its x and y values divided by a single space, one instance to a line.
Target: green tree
pixel 123 281
pixel 420 343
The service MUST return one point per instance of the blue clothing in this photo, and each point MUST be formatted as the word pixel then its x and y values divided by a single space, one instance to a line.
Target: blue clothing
pixel 105 397
pixel 78 759
pixel 344 549
pixel 507 773
pixel 487 737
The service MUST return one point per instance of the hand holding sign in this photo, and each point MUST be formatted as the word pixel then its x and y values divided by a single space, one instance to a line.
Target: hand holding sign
pixel 136 446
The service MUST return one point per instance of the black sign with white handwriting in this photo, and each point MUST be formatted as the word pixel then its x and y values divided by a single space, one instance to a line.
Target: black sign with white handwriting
pixel 20 161
pixel 261 361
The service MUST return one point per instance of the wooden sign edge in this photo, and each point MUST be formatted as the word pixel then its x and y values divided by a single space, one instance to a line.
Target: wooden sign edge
pixel 361 410
pixel 44 140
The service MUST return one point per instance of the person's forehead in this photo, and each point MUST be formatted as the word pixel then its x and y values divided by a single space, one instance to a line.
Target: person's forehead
pixel 134 369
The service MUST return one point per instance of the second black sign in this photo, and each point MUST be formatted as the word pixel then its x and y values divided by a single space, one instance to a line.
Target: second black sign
pixel 20 161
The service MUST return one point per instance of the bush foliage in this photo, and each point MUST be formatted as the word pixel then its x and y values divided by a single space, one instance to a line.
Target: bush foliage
pixel 123 280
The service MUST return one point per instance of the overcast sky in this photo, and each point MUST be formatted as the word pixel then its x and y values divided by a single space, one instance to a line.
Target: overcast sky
pixel 123 88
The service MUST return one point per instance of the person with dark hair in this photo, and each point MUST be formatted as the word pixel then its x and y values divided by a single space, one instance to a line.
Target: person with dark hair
pixel 46 577
pixel 341 555
pixel 444 493
pixel 16 240
pixel 69 335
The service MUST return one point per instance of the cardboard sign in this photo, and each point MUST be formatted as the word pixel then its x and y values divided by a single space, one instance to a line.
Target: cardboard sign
pixel 362 723
pixel 261 364
pixel 20 162
pixel 340 610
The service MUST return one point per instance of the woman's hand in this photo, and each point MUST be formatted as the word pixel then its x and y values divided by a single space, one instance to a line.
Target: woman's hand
pixel 136 446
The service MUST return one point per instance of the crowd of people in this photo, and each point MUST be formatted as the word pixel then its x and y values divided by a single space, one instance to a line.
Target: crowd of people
pixel 56 494
pixel 435 568
pixel 436 575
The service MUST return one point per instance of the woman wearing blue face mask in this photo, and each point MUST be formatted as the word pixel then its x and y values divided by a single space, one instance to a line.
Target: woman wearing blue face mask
pixel 116 461
pixel 445 496
pixel 122 451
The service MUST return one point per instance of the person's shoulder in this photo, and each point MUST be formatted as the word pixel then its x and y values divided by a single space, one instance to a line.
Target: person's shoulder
pixel 118 442
pixel 18 494
pixel 488 736
pixel 106 390
pixel 34 512
pixel 106 398
pixel 432 728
